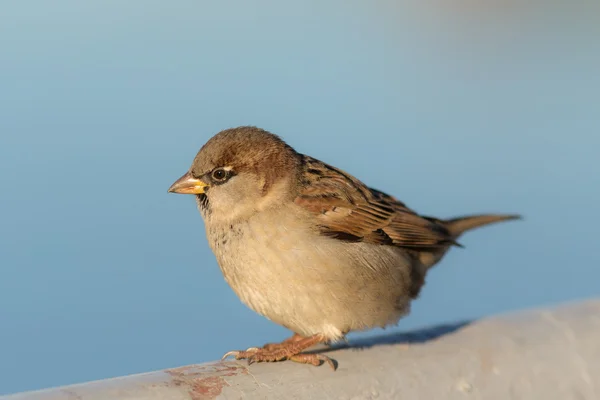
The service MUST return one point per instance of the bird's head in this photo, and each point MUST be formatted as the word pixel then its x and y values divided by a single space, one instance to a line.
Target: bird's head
pixel 239 172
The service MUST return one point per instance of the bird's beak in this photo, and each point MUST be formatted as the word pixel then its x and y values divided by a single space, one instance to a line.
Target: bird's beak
pixel 187 184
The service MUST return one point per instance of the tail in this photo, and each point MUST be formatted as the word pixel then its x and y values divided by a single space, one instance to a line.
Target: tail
pixel 458 226
pixel 455 227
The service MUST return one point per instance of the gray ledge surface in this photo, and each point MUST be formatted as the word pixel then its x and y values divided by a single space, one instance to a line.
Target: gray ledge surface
pixel 536 354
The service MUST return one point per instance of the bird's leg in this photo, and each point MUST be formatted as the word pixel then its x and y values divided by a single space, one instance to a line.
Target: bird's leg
pixel 291 349
pixel 274 346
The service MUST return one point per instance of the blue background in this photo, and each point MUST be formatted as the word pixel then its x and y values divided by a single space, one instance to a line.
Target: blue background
pixel 452 106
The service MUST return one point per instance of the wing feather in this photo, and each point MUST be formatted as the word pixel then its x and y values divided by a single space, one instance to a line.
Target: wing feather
pixel 348 210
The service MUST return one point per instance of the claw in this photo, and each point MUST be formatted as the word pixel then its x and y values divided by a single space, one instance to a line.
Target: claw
pixel 230 353
pixel 329 361
pixel 253 358
pixel 240 354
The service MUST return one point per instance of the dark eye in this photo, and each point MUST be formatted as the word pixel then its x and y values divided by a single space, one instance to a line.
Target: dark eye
pixel 219 174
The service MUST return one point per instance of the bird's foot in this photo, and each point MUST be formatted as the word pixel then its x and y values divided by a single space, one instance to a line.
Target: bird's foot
pixel 289 349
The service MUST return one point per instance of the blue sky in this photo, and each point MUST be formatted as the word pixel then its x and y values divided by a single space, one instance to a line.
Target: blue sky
pixel 452 108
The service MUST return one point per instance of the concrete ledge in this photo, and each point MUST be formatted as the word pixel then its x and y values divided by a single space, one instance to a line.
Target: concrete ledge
pixel 538 354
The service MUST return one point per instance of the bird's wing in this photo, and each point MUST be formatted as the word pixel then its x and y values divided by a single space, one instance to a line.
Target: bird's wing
pixel 348 210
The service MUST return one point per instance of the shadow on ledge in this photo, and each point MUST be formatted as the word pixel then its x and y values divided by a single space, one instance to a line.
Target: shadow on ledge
pixel 418 336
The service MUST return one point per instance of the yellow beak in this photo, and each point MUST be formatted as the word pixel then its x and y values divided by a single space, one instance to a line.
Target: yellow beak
pixel 187 184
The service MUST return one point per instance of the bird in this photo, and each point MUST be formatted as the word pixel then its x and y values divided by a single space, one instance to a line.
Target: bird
pixel 309 246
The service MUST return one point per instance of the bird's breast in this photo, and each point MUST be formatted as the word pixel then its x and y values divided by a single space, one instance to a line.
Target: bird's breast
pixel 284 270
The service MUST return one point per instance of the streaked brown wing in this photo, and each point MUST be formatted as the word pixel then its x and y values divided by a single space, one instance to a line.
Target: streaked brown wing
pixel 348 210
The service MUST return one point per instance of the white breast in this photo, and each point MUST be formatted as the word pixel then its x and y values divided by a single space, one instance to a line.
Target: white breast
pixel 311 284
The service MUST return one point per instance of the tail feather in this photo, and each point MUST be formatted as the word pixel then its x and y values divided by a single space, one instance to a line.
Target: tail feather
pixel 458 226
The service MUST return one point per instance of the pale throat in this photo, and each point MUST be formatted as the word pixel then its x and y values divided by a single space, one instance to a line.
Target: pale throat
pixel 278 195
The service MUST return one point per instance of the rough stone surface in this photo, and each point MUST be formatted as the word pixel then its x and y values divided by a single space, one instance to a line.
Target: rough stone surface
pixel 538 354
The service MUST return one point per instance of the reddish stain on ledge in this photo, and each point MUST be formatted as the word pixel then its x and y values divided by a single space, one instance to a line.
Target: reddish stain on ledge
pixel 204 381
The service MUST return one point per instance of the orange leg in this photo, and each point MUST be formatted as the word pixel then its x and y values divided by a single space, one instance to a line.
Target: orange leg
pixel 274 346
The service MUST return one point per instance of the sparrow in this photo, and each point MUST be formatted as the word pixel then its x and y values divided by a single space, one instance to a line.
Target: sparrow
pixel 309 246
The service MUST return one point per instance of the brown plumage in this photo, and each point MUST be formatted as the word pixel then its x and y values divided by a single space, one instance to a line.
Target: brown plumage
pixel 309 246
pixel 349 210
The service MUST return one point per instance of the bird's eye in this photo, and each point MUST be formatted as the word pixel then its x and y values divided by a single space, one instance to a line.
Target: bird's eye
pixel 219 174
